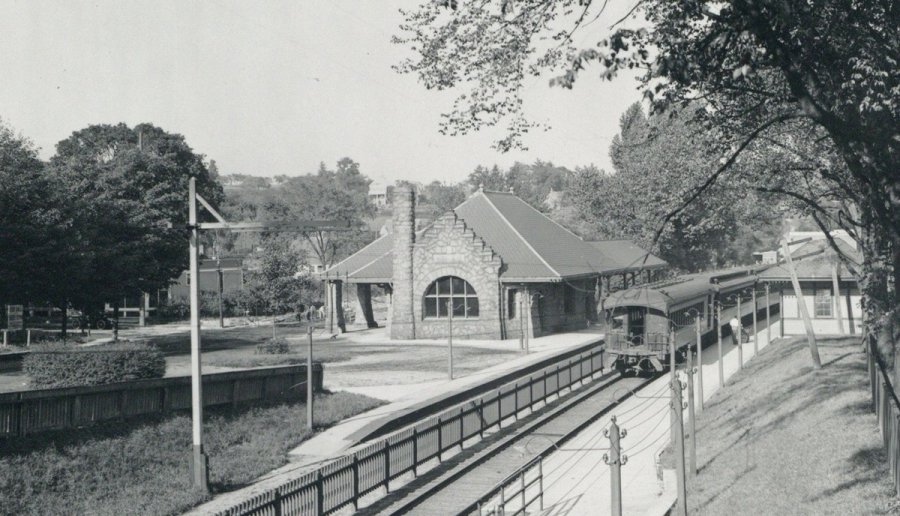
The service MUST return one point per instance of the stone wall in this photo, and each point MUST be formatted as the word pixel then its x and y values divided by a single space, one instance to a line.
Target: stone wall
pixel 450 248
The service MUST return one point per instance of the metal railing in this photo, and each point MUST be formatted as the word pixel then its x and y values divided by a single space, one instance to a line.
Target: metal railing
pixel 619 341
pixel 341 483
pixel 887 407
pixel 516 493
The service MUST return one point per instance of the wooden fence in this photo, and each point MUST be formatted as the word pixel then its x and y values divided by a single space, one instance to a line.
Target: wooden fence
pixel 341 483
pixel 887 406
pixel 29 412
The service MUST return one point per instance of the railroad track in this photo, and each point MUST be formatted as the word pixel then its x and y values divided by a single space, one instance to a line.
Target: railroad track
pixel 455 485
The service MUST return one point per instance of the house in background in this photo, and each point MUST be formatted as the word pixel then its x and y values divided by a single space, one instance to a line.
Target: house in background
pixel 495 265
pixel 232 278
pixel 828 287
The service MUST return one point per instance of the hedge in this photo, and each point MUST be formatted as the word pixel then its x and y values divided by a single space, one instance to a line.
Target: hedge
pixel 273 346
pixel 69 367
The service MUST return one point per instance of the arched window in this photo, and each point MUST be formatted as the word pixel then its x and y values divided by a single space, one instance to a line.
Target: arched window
pixel 448 291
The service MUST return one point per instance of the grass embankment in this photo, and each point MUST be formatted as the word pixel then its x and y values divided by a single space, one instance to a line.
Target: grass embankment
pixel 784 439
pixel 144 467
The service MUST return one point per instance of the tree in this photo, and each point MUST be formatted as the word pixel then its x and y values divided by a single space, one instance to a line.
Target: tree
pixel 275 284
pixel 442 197
pixel 658 162
pixel 341 194
pixel 25 209
pixel 761 69
pixel 129 189
pixel 532 182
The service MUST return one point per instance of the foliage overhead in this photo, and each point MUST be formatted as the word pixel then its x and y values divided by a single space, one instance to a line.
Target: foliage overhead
pixel 757 72
pixel 657 161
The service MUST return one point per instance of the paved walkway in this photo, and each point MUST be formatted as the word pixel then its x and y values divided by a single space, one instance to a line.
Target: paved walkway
pixel 337 439
pixel 577 481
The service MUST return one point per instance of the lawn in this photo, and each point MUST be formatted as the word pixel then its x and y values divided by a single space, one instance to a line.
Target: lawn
pixel 143 467
pixel 784 439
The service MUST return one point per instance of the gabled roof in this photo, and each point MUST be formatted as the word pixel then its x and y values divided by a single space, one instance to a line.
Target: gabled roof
pixel 816 267
pixel 627 254
pixel 532 246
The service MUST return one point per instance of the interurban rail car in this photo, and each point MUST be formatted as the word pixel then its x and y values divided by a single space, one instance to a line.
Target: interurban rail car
pixel 641 318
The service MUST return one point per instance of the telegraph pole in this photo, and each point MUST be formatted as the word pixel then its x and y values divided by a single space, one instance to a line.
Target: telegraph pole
pixel 527 314
pixel 699 364
pixel 719 337
pixel 740 333
pixel 681 504
pixel 310 384
pixel 691 421
pixel 615 460
pixel 450 339
pixel 768 317
pixel 673 375
pixel 755 330
pixel 201 461
pixel 521 303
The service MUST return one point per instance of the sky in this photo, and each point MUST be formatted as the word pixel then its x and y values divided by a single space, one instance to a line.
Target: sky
pixel 273 87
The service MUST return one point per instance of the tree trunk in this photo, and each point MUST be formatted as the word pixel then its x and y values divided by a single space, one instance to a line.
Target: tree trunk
pixel 801 306
pixel 116 321
pixel 65 320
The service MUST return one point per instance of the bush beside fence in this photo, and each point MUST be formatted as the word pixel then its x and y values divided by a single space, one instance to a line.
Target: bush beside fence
pixel 60 366
pixel 28 412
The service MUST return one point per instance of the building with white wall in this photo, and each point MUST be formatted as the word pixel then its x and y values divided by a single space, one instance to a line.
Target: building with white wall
pixel 828 286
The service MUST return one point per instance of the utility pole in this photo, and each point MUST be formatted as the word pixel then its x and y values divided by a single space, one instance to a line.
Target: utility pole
pixel 681 504
pixel 220 282
pixel 615 460
pixel 310 384
pixel 527 319
pixel 801 305
pixel 699 363
pixel 740 332
pixel 755 330
pixel 719 337
pixel 450 339
pixel 691 421
pixel 768 317
pixel 521 305
pixel 673 376
pixel 201 461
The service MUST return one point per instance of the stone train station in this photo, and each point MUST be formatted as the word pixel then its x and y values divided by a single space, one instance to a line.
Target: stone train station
pixel 492 268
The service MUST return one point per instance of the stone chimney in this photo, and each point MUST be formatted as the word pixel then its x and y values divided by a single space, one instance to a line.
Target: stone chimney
pixel 403 321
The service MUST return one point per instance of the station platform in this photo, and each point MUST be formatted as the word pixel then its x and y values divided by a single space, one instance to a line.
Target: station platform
pixel 409 403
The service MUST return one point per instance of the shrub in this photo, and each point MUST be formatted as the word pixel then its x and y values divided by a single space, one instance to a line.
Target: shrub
pixel 175 309
pixel 55 366
pixel 275 346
